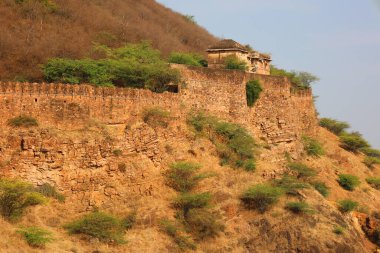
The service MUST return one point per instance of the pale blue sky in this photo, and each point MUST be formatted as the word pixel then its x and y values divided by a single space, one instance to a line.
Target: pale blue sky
pixel 337 40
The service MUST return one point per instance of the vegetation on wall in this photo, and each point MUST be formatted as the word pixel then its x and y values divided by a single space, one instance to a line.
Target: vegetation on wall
pixel 22 121
pixel 253 89
pixel 300 80
pixel 134 65
pixel 232 62
pixel 233 143
pixel 156 117
pixel 191 59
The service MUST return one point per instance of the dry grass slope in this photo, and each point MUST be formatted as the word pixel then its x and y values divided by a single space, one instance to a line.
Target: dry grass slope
pixel 30 32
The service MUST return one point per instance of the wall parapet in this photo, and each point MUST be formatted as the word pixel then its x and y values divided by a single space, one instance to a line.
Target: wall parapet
pixel 82 90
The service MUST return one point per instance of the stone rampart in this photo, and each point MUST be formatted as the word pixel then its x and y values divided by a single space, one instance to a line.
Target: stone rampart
pixel 280 115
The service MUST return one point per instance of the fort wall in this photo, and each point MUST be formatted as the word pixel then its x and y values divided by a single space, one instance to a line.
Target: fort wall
pixel 280 115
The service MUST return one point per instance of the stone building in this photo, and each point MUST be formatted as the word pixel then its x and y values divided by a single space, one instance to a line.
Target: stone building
pixel 256 62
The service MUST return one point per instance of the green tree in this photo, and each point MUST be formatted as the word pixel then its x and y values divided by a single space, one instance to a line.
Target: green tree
pixel 134 65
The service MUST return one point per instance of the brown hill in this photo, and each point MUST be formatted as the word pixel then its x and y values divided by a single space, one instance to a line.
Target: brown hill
pixel 33 31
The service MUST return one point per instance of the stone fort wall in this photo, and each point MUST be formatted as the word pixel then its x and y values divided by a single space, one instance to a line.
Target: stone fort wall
pixel 81 163
pixel 279 116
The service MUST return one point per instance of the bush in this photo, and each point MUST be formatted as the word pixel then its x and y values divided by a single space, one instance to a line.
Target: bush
pixel 302 170
pixel 322 188
pixel 300 80
pixel 353 142
pixel 299 207
pixel 290 184
pixel 261 197
pixel 134 65
pixel 23 121
pixel 312 146
pixel 338 230
pixel 374 182
pixel 184 242
pixel 203 224
pixel 156 117
pixel 117 152
pixel 233 143
pixel 15 197
pixel 348 182
pixel 187 59
pixel 188 201
pixel 250 165
pixel 334 126
pixel 105 227
pixel 233 62
pixel 347 205
pixel 370 152
pixel 371 161
pixel 182 176
pixel 253 89
pixel 129 221
pixel 36 237
pixel 49 191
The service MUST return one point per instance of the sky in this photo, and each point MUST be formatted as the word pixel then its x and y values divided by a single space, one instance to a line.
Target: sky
pixel 336 40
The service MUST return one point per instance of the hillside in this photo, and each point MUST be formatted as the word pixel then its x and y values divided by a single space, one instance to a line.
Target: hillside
pixel 33 31
pixel 175 178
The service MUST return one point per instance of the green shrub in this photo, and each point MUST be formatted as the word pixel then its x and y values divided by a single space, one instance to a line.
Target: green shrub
pixel 334 126
pixel 261 197
pixel 370 152
pixel 299 207
pixel 253 89
pixel 250 165
pixel 105 227
pixel 50 191
pixel 134 65
pixel 23 121
pixel 182 176
pixel 129 221
pixel 188 201
pixel 338 230
pixel 233 143
pixel 187 59
pixel 156 117
pixel 353 142
pixel 233 62
pixel 203 224
pixel 312 146
pixel 302 170
pixel 374 182
pixel 35 236
pixel 300 80
pixel 322 188
pixel 183 241
pixel 371 161
pixel 117 152
pixel 15 197
pixel 348 182
pixel 290 184
pixel 347 205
